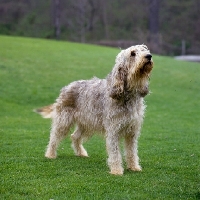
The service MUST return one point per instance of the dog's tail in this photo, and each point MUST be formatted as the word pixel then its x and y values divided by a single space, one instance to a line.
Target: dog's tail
pixel 45 112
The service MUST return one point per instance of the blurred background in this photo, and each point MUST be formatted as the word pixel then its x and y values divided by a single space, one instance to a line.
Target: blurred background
pixel 168 27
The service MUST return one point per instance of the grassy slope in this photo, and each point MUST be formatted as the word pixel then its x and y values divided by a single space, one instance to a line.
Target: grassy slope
pixel 32 71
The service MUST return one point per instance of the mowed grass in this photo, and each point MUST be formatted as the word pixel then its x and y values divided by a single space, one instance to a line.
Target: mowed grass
pixel 32 72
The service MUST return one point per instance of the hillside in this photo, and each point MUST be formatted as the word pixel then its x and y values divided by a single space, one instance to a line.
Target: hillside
pixel 32 71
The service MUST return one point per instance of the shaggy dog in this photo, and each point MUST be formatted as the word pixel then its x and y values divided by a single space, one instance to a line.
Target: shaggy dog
pixel 113 106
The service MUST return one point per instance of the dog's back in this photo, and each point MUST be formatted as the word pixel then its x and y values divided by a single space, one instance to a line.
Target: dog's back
pixel 89 102
pixel 84 100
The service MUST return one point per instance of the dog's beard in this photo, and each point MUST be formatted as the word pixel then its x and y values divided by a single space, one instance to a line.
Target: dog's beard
pixel 146 68
pixel 142 69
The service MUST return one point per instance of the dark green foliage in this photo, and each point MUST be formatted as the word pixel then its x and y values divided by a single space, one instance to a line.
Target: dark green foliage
pixel 108 21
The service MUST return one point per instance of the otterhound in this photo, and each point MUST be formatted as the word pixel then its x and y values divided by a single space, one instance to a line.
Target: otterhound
pixel 113 106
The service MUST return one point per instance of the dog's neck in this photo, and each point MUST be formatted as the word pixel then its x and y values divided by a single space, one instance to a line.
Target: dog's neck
pixel 139 88
pixel 143 91
pixel 132 95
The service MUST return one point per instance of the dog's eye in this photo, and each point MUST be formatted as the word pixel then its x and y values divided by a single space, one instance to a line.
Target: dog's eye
pixel 132 53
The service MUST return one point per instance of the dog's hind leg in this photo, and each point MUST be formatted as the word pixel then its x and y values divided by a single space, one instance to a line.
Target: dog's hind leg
pixel 77 140
pixel 60 127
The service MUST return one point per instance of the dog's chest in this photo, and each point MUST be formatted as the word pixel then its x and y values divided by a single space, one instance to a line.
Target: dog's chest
pixel 131 118
pixel 126 114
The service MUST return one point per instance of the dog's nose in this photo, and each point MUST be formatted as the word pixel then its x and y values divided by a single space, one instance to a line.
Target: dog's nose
pixel 148 56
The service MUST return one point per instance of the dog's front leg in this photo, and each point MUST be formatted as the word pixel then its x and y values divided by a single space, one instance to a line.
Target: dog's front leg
pixel 132 158
pixel 114 156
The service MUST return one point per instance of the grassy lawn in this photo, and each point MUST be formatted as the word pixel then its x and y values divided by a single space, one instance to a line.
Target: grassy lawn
pixel 32 72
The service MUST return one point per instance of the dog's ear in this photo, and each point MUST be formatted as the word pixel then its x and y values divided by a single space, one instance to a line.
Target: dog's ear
pixel 118 83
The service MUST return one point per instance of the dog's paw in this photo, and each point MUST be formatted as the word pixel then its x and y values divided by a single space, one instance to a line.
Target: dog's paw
pixel 82 155
pixel 136 169
pixel 117 172
pixel 50 156
pixel 82 152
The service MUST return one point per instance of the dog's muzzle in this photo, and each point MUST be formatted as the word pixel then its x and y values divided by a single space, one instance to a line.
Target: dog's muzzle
pixel 148 65
pixel 148 57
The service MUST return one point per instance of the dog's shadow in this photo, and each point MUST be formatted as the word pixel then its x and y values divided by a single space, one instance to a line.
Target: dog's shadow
pixel 73 163
pixel 83 165
pixel 197 195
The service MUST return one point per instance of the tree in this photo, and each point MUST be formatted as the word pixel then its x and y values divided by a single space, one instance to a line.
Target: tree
pixel 56 16
pixel 154 36
pixel 104 18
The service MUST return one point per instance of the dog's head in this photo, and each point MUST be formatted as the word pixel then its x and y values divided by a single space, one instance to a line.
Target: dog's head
pixel 131 71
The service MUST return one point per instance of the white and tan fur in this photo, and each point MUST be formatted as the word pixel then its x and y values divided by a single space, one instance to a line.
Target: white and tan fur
pixel 113 106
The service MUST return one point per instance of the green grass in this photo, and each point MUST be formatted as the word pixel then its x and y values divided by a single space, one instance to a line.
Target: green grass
pixel 32 71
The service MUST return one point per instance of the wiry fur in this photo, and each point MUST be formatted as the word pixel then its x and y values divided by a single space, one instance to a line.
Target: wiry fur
pixel 113 106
